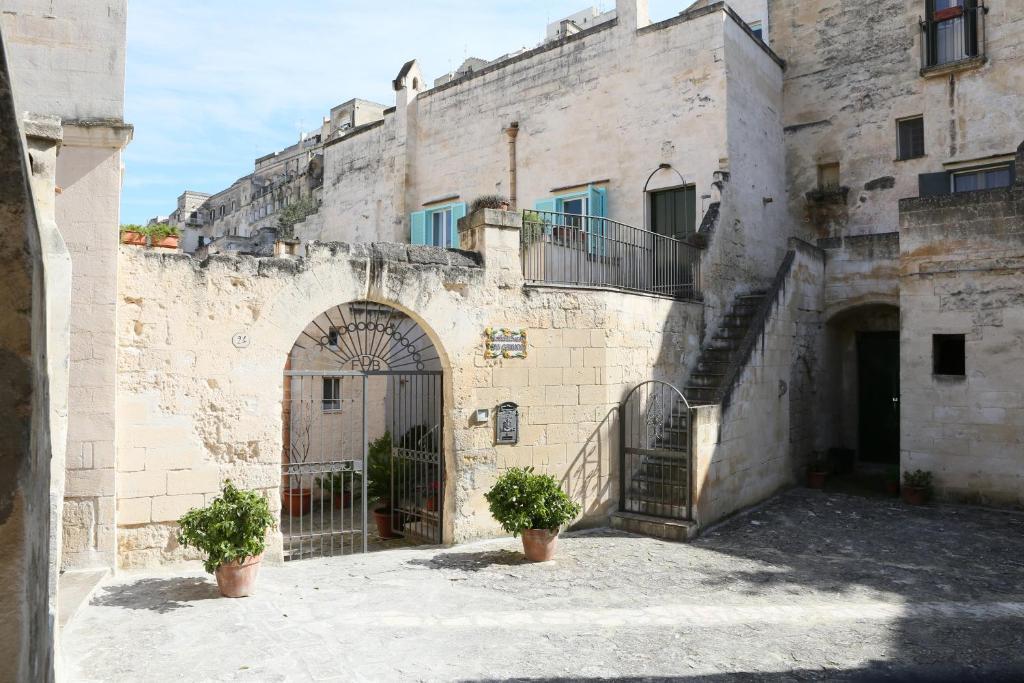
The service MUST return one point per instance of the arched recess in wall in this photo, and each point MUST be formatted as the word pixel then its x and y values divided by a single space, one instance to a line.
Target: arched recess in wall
pixel 664 177
pixel 365 462
pixel 860 382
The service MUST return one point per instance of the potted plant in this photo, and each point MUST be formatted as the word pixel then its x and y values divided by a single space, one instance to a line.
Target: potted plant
pixel 339 486
pixel 296 498
pixel 533 505
pixel 817 472
pixel 164 236
pixel 378 484
pixel 133 234
pixel 892 481
pixel 232 531
pixel 489 201
pixel 917 487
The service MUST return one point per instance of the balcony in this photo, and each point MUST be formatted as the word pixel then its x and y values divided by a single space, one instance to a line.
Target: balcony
pixel 592 251
pixel 953 39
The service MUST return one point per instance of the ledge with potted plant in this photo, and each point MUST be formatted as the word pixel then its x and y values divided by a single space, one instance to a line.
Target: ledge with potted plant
pixel 232 531
pixel 533 505
pixel 160 236
pixel 917 487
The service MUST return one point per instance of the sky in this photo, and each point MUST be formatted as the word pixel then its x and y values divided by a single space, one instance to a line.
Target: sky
pixel 213 84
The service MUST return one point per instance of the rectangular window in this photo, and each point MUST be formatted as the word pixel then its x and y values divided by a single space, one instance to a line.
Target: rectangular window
pixel 949 354
pixel 674 212
pixel 828 176
pixel 910 137
pixel 755 27
pixel 982 178
pixel 441 227
pixel 333 336
pixel 332 394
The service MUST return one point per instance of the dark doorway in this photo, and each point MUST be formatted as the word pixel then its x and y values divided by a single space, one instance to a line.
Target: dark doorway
pixel 878 381
pixel 674 212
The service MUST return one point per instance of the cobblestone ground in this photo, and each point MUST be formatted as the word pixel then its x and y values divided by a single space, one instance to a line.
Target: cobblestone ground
pixel 812 586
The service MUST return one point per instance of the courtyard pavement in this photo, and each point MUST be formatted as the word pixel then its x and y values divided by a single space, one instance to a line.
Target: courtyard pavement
pixel 811 586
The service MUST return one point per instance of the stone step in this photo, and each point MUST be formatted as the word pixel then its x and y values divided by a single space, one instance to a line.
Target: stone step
pixel 709 367
pixel 655 527
pixel 700 395
pixel 706 379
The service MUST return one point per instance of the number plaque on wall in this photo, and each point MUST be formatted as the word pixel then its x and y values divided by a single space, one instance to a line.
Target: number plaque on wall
pixel 507 424
pixel 503 342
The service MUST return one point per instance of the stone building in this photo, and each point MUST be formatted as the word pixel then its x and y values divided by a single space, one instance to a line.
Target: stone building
pixel 735 239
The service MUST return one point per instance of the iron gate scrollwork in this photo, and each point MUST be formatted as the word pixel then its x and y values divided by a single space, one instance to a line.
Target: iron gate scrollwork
pixel 362 374
pixel 656 422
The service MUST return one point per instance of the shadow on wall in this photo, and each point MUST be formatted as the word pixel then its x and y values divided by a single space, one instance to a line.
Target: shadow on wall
pixel 586 480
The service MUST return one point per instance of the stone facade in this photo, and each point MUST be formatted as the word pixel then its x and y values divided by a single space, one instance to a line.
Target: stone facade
pixel 962 273
pixel 195 410
pixel 43 40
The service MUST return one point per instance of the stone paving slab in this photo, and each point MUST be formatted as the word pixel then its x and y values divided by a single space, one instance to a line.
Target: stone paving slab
pixel 812 586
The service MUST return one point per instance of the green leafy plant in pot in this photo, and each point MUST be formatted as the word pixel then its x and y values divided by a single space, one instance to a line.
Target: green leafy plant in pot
pixel 232 531
pixel 534 506
pixel 378 484
pixel 917 487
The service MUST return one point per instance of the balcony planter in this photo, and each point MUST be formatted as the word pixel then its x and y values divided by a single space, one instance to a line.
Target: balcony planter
pixel 133 238
pixel 169 242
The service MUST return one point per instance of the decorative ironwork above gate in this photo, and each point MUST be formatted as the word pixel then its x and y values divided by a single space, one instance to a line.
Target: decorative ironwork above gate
pixel 369 337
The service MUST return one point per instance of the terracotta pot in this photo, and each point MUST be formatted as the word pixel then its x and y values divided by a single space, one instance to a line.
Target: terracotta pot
pixel 382 516
pixel 343 500
pixel 914 495
pixel 539 545
pixel 238 579
pixel 169 242
pixel 297 501
pixel 892 488
pixel 816 479
pixel 505 206
pixel 132 237
pixel 431 504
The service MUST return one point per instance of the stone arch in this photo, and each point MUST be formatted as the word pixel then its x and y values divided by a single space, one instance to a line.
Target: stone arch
pixel 357 348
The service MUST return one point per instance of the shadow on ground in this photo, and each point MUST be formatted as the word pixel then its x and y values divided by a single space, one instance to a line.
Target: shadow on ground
pixel 158 595
pixel 472 562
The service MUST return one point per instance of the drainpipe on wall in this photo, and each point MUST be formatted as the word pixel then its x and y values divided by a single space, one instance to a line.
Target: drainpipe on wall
pixel 512 131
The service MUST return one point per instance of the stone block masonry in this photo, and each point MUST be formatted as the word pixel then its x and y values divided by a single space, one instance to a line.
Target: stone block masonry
pixel 193 409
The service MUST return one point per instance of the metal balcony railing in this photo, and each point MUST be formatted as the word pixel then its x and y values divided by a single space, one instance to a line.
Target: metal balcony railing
pixel 953 35
pixel 592 251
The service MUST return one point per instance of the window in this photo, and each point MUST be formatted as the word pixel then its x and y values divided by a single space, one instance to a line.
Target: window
pixel 332 394
pixel 949 354
pixel 333 337
pixel 828 176
pixel 910 138
pixel 982 178
pixel 674 212
pixel 440 228
pixel 952 29
pixel 755 27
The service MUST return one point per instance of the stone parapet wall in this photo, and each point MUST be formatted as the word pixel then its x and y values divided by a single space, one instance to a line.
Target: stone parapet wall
pixel 962 272
pixel 193 409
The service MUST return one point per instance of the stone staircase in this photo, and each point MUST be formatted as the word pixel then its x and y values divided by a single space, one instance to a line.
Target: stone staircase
pixel 720 357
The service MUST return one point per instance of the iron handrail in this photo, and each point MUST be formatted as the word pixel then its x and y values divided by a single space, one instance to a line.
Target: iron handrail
pixel 594 251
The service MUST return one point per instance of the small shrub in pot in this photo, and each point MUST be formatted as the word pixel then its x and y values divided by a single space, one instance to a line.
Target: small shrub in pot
pixel 489 201
pixel 232 531
pixel 534 506
pixel 917 487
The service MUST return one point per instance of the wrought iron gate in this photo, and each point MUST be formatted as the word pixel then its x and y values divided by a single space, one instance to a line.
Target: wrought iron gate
pixel 656 464
pixel 363 462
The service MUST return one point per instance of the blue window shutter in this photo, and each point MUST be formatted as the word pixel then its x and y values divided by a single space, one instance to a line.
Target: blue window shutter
pixel 458 211
pixel 597 199
pixel 418 227
pixel 550 205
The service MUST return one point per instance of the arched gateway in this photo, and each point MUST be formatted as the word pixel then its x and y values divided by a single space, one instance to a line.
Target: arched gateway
pixel 363 465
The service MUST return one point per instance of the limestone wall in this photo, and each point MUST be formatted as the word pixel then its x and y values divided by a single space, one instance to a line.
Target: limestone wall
pixel 962 272
pixel 193 409
pixel 752 446
pixel 608 107
pixel 849 77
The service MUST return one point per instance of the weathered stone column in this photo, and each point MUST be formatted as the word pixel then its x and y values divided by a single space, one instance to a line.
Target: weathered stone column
pixel 495 235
